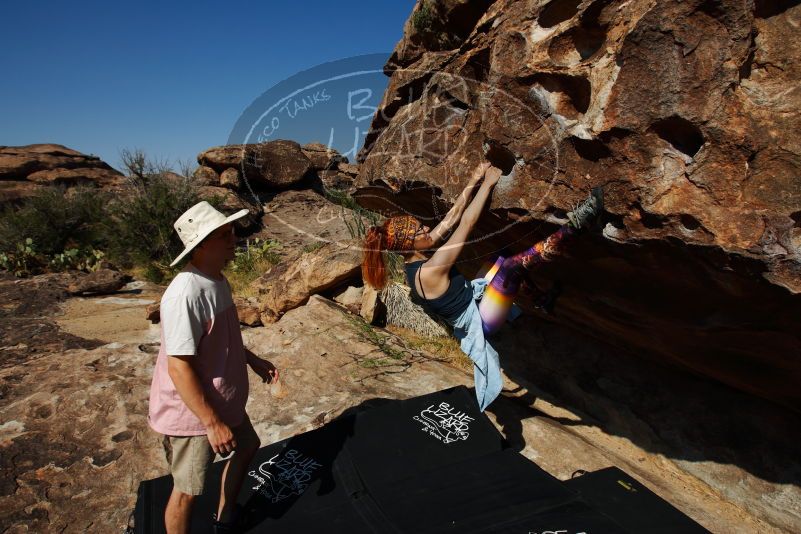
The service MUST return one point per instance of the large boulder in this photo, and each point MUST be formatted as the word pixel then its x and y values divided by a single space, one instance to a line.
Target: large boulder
pixel 686 112
pixel 25 170
pixel 205 176
pixel 322 157
pixel 299 219
pixel 230 202
pixel 276 164
pixel 290 283
pixel 99 282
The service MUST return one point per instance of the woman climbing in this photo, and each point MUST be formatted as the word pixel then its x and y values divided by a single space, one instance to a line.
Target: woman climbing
pixel 445 292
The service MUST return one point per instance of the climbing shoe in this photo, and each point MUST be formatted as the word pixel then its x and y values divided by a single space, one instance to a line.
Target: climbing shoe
pixel 587 211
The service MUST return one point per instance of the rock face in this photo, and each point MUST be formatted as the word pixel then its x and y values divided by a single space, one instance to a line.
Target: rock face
pixel 322 157
pixel 277 164
pixel 46 164
pixel 75 441
pixel 290 283
pixel 98 282
pixel 686 112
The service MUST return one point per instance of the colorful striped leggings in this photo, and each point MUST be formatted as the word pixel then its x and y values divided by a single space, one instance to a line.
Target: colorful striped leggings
pixel 501 291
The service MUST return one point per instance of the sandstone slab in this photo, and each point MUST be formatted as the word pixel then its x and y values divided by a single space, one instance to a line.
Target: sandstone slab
pixel 290 283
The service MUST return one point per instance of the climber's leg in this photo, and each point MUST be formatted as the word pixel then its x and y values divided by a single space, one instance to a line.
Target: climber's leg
pixel 502 290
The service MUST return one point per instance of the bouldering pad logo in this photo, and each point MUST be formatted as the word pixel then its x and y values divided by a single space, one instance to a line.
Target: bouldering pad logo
pixel 445 423
pixel 284 475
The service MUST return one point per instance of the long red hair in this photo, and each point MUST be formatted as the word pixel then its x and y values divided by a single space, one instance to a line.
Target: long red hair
pixel 374 271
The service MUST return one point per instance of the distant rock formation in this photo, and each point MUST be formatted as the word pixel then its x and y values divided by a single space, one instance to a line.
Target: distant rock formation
pixel 274 166
pixel 24 170
pixel 687 112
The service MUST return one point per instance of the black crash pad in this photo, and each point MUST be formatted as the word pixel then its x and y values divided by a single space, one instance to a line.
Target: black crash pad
pixel 428 464
pixel 631 504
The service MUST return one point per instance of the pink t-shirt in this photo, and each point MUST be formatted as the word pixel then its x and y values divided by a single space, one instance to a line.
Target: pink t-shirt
pixel 198 318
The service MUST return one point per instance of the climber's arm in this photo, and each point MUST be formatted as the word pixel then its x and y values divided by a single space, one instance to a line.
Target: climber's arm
pixel 455 213
pixel 447 254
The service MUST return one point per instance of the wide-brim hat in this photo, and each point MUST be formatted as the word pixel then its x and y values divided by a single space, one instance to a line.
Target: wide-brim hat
pixel 196 223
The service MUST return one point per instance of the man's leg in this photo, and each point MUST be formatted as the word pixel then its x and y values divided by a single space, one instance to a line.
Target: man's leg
pixel 178 512
pixel 191 457
pixel 247 444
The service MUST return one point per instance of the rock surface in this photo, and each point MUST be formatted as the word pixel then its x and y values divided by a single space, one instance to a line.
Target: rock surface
pixel 290 283
pixel 686 112
pixel 299 219
pixel 75 441
pixel 322 157
pixel 351 298
pixel 206 176
pixel 24 169
pixel 100 281
pixel 276 164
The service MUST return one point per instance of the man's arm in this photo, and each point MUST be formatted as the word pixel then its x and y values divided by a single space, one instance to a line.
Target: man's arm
pixel 455 213
pixel 188 386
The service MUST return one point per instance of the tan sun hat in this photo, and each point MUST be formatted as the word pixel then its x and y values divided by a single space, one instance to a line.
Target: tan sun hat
pixel 196 223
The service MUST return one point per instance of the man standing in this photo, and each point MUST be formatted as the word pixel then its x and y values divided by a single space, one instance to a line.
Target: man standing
pixel 200 382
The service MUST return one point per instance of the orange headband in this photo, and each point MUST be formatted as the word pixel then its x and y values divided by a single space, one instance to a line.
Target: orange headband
pixel 400 232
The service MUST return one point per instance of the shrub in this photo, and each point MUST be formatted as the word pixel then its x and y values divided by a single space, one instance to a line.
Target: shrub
pixel 141 224
pixel 53 230
pixel 250 262
pixel 423 18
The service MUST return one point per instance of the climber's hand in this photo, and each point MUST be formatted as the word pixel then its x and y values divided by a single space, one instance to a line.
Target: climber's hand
pixel 479 171
pixel 492 175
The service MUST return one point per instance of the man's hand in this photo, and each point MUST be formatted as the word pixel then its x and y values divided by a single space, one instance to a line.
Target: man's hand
pixel 492 175
pixel 266 370
pixel 220 437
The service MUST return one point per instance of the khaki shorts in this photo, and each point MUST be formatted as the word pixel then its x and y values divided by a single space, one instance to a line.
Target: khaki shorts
pixel 192 456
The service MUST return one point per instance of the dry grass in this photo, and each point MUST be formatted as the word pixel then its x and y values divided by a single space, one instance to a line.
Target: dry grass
pixel 446 349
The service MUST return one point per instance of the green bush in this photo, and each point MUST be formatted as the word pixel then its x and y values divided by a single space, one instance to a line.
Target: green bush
pixel 53 230
pixel 423 18
pixel 55 220
pixel 140 227
pixel 254 252
pixel 250 262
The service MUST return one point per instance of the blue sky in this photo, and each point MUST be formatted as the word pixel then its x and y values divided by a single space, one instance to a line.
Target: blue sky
pixel 171 78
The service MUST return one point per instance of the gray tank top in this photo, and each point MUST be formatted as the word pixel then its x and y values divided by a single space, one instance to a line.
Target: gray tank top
pixel 450 304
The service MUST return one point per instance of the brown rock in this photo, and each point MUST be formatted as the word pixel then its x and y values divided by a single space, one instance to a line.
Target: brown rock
pixel 351 298
pixel 370 304
pixel 337 180
pixel 153 312
pixel 248 311
pixel 230 178
pixel 54 163
pixel 300 219
pixel 290 283
pixel 231 202
pixel 348 168
pixel 26 170
pixel 99 282
pixel 15 192
pixel 681 110
pixel 206 176
pixel 322 157
pixel 278 163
